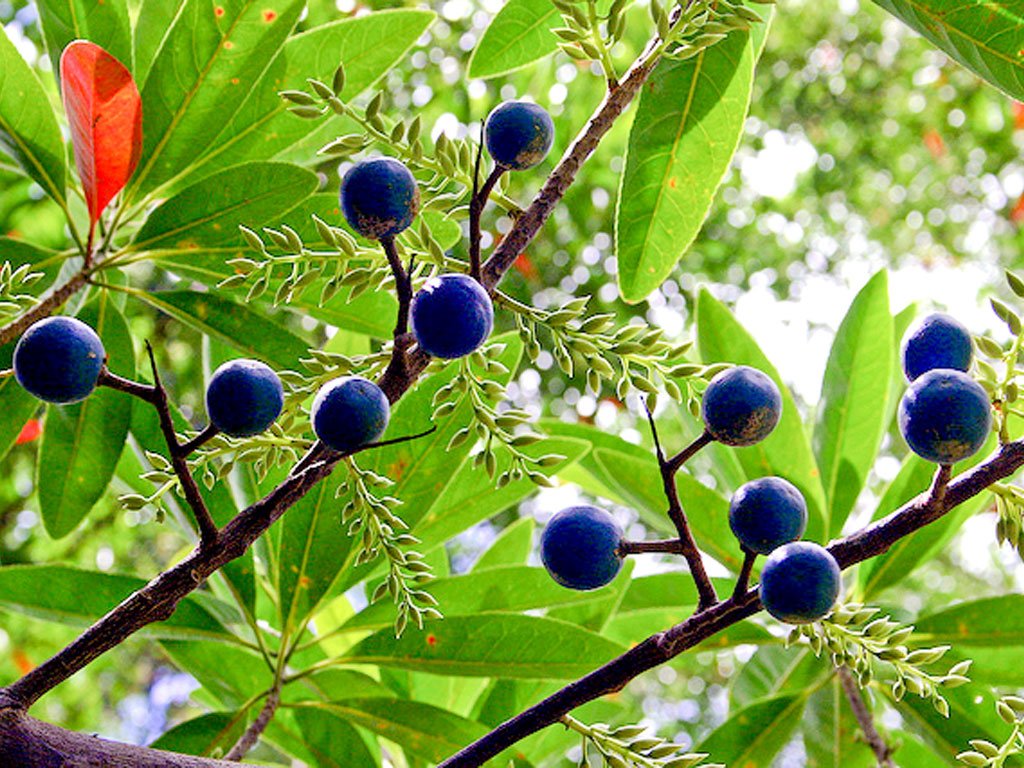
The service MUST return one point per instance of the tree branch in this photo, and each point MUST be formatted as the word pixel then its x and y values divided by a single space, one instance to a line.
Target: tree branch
pixel 53 301
pixel 476 208
pixel 670 546
pixel 864 718
pixel 743 580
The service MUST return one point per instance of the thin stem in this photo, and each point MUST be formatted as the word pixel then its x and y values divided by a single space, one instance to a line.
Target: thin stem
pixel 864 718
pixel 671 546
pixel 689 451
pixel 605 56
pixel 87 253
pixel 743 580
pixel 210 432
pixel 940 482
pixel 252 734
pixel 476 208
pixel 54 301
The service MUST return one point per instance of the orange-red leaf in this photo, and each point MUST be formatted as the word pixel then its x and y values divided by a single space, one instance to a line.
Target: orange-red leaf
pixel 105 115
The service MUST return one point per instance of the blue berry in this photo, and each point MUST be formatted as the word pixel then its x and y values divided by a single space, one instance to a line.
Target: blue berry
pixel 379 197
pixel 945 416
pixel 350 412
pixel 244 397
pixel 451 316
pixel 741 406
pixel 939 341
pixel 580 547
pixel 766 513
pixel 59 360
pixel 800 582
pixel 519 134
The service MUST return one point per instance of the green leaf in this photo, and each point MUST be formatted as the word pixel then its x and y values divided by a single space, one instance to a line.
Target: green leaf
pixel 77 598
pixel 512 546
pixel 987 38
pixel 104 23
pixel 155 21
pixel 208 213
pixel 236 324
pixel 687 128
pixel 775 670
pixel 519 34
pixel 421 729
pixel 369 46
pixel 991 621
pixel 28 126
pixel 82 443
pixel 206 66
pixel 229 674
pixel 854 411
pixel 321 738
pixel 832 737
pixel 483 646
pixel 786 452
pixel 201 735
pixel 753 736
pixel 17 405
pixel 633 627
pixel 502 589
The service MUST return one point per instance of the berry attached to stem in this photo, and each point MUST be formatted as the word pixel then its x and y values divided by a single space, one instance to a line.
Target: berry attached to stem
pixel 59 359
pixel 741 406
pixel 452 315
pixel 349 412
pixel 244 398
pixel 945 416
pixel 939 341
pixel 379 197
pixel 519 134
pixel 580 547
pixel 800 582
pixel 766 513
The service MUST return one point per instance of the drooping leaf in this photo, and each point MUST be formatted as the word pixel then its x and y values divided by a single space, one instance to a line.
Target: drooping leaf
pixel 202 735
pixel 987 38
pixel 786 451
pixel 105 24
pixel 82 443
pixel 208 213
pixel 854 410
pixel 77 598
pixel 319 737
pixel 105 116
pixel 687 128
pixel 28 126
pixel 211 57
pixel 519 34
pixel 490 645
pixel 753 735
pixel 235 324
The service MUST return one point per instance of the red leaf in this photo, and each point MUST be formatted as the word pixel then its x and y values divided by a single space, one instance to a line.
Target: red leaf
pixel 105 114
pixel 29 432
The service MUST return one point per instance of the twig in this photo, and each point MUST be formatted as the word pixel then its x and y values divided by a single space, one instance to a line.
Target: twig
pixel 252 734
pixel 940 482
pixel 689 451
pixel 671 546
pixel 743 580
pixel 54 301
pixel 864 719
pixel 210 432
pixel 687 545
pixel 403 285
pixel 476 209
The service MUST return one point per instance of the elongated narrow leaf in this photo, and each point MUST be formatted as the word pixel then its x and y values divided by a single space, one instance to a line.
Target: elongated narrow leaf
pixel 210 59
pixel 78 598
pixel 105 24
pixel 28 127
pixel 105 115
pixel 82 443
pixel 495 645
pixel 233 323
pixel 512 546
pixel 204 734
pixel 421 729
pixel 519 34
pixel 687 128
pixel 754 735
pixel 987 38
pixel 854 411
pixel 785 452
pixel 319 737
pixel 368 46
pixel 991 621
pixel 209 212
pixel 775 670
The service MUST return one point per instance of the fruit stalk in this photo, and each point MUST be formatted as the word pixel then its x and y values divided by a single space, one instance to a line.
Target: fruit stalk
pixel 883 754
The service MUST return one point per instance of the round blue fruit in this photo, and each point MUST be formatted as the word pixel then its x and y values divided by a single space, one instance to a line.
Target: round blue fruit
pixel 939 341
pixel 244 397
pixel 945 416
pixel 519 134
pixel 741 406
pixel 379 197
pixel 766 513
pixel 580 547
pixel 451 316
pixel 349 413
pixel 800 582
pixel 59 360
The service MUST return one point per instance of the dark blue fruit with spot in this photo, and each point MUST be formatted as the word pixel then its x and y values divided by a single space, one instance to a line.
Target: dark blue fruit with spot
pixel 451 316
pixel 379 197
pixel 244 397
pixel 519 134
pixel 800 582
pixel 350 412
pixel 945 416
pixel 59 359
pixel 580 547
pixel 766 513
pixel 939 341
pixel 741 406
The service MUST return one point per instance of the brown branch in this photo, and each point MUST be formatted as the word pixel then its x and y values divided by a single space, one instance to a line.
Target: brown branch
pixel 743 580
pixel 476 208
pixel 197 442
pixel 883 754
pixel 670 546
pixel 257 727
pixel 53 301
pixel 403 285
pixel 663 646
